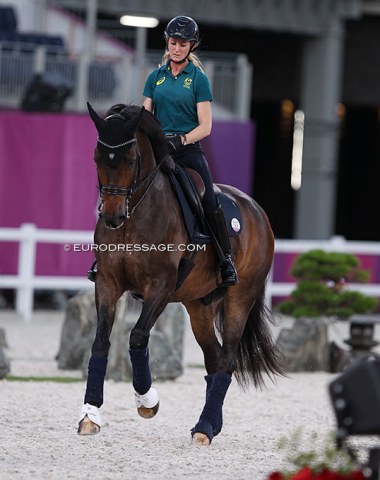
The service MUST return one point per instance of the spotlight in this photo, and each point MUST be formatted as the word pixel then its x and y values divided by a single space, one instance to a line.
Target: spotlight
pixel 138 21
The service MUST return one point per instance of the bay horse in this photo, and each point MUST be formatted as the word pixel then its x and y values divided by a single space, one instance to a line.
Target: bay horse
pixel 139 206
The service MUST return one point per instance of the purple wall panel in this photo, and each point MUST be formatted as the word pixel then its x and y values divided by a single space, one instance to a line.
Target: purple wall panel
pixel 47 177
pixel 229 151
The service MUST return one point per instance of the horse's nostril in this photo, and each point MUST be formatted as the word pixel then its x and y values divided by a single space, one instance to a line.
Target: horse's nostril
pixel 115 222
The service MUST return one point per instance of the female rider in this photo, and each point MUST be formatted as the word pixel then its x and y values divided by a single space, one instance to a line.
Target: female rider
pixel 178 92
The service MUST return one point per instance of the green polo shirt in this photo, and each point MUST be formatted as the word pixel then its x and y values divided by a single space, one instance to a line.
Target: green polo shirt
pixel 175 98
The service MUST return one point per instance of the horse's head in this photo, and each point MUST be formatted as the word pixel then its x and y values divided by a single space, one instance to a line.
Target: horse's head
pixel 117 158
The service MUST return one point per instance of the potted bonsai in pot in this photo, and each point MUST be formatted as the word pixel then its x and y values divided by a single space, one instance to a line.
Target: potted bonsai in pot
pixel 320 294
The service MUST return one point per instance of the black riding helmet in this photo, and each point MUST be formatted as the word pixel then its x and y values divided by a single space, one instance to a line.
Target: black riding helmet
pixel 184 28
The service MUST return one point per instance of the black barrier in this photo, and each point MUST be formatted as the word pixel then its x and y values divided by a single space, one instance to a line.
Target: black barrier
pixel 355 397
pixel 46 92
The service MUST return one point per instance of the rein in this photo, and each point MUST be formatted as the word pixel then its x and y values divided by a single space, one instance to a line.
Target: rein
pixel 150 177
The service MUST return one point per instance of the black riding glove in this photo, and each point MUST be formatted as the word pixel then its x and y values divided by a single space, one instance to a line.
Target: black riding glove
pixel 175 142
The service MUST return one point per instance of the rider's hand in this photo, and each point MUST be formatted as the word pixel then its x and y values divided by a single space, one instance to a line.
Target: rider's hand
pixel 175 142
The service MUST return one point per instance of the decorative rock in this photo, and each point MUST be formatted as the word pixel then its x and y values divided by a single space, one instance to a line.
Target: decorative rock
pixel 165 345
pixel 78 331
pixel 305 346
pixel 5 366
pixel 3 341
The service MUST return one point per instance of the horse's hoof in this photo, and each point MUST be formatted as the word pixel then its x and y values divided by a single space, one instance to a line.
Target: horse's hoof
pixel 148 403
pixel 86 427
pixel 90 420
pixel 200 439
pixel 146 412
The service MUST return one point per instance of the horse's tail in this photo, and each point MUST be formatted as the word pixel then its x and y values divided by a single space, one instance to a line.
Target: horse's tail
pixel 257 353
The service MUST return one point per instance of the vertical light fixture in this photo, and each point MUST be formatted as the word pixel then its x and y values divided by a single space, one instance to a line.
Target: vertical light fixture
pixel 296 174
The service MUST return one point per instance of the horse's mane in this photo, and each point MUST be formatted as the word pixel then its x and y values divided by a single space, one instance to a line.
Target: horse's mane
pixel 148 123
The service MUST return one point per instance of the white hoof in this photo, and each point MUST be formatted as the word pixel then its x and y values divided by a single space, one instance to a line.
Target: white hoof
pixel 148 400
pixel 92 413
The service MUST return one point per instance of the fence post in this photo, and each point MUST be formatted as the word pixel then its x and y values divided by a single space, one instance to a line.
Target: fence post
pixel 82 82
pixel 269 288
pixel 26 268
pixel 40 59
pixel 244 88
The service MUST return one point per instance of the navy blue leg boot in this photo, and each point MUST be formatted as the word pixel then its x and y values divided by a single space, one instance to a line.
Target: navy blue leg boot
pixel 211 420
pixel 142 379
pixel 97 367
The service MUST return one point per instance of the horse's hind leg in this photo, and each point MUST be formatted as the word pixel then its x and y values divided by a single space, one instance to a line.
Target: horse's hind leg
pixel 90 419
pixel 221 359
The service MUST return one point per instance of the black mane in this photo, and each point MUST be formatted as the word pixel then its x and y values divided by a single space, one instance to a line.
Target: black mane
pixel 148 124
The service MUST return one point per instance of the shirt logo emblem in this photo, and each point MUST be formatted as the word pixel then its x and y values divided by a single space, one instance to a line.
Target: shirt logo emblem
pixel 187 82
pixel 161 80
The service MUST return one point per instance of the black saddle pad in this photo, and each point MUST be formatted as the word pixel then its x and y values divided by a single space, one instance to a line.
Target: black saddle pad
pixel 194 228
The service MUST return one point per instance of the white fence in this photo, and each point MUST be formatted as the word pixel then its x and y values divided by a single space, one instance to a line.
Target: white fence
pixel 28 236
pixel 336 244
pixel 26 281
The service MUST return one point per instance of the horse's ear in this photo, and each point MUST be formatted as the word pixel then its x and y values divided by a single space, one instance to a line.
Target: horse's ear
pixel 133 122
pixel 99 122
pixel 140 115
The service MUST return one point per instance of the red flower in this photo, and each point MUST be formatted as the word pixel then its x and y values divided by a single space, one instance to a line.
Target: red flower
pixel 357 476
pixel 278 476
pixel 328 475
pixel 304 474
pixel 307 474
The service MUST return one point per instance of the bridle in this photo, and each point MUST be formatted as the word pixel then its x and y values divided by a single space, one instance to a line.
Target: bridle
pixel 128 142
pixel 116 190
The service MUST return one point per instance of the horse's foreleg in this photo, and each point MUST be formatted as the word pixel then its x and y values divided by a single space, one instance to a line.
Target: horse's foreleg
pixel 146 396
pixel 90 420
pixel 217 381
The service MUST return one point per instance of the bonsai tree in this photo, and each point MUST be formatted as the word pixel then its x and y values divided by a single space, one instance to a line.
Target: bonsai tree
pixel 320 290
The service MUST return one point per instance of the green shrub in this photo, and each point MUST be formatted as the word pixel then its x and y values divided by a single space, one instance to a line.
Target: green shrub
pixel 320 290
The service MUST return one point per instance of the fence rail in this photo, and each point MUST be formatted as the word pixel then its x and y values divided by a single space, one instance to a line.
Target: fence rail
pixel 28 236
pixel 336 244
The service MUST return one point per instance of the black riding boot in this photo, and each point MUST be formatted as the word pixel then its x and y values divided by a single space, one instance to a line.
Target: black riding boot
pixel 218 227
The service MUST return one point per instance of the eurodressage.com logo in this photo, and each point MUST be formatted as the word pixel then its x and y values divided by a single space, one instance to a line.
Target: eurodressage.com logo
pixel 133 247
